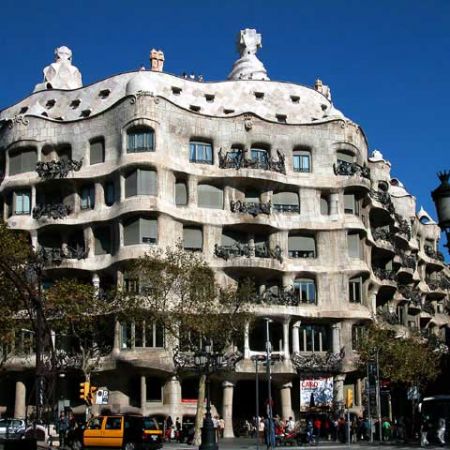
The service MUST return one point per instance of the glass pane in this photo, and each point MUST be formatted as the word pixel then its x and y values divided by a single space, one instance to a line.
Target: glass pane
pixel 97 154
pixel 131 184
pixel 210 196
pixel 180 194
pixel 131 233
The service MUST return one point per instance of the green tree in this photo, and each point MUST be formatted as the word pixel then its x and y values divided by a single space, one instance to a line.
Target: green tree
pixel 409 361
pixel 178 290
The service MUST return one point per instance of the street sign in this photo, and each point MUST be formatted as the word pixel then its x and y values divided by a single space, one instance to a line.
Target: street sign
pixel 102 397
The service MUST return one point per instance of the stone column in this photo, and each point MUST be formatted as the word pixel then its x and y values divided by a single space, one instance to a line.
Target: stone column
pixel 247 340
pixel 33 198
pixel 89 240
pixel 172 396
pixel 296 337
pixel 336 337
pixel 143 394
pixel 227 409
pixel 286 402
pixel 339 390
pixel 192 190
pixel 19 404
pixel 334 204
pixel 287 355
pixel 122 187
pixel 358 392
pixel 116 344
pixel 96 283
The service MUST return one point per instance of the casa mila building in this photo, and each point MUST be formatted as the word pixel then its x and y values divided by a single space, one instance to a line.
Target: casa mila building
pixel 266 179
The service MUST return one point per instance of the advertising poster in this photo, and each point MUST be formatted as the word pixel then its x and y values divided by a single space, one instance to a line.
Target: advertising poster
pixel 316 392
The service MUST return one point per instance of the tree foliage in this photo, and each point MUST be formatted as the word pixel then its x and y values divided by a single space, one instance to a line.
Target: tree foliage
pixel 410 361
pixel 178 290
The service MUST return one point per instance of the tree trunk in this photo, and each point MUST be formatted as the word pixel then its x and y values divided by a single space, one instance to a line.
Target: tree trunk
pixel 200 410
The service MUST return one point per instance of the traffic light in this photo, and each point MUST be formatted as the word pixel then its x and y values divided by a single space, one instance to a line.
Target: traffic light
pixel 349 398
pixel 84 390
pixel 92 394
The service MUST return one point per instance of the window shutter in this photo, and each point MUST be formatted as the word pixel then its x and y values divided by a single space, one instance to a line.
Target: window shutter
pixel 181 193
pixel 148 229
pixel 97 154
pixel 210 196
pixel 324 206
pixel 131 184
pixel 146 182
pixel 285 198
pixel 193 238
pixel 29 158
pixel 131 233
pixel 301 243
pixel 15 163
pixel 349 203
pixel 342 156
pixel 353 244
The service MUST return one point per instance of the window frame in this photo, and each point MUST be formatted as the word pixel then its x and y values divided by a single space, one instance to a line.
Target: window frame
pixel 298 161
pixel 87 202
pixel 195 147
pixel 20 194
pixel 355 290
pixel 308 282
pixel 133 135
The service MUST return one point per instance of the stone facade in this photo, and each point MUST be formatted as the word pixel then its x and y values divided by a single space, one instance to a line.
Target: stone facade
pixel 266 179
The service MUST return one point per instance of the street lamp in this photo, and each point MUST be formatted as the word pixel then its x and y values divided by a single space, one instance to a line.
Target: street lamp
pixel 206 361
pixel 441 198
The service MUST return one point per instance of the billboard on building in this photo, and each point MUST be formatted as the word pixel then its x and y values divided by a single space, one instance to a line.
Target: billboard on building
pixel 316 392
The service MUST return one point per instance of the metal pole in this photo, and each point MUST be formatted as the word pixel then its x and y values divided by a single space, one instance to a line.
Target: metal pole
pixel 270 430
pixel 369 413
pixel 378 398
pixel 257 403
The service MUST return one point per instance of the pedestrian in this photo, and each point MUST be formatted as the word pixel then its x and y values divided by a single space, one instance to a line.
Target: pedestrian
pixel 441 431
pixel 221 426
pixel 178 429
pixel 317 427
pixel 62 427
pixel 424 429
pixel 261 427
pixel 309 431
pixel 386 428
pixel 269 433
pixel 290 425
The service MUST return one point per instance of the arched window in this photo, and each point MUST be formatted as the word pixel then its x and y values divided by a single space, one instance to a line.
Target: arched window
pixel 210 196
pixel 306 290
pixel 260 157
pixel 301 161
pixel 140 139
pixel 325 205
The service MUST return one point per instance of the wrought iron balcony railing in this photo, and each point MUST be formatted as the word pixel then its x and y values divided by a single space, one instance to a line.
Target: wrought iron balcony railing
pixel 435 254
pixel 404 227
pixel 56 255
pixel 437 283
pixel 286 208
pixel 317 362
pixel 412 294
pixel 51 210
pixel 389 317
pixel 57 169
pixel 384 274
pixel 350 169
pixel 240 249
pixel 384 198
pixel 383 234
pixel 252 208
pixel 235 160
pixel 286 297
pixel 408 261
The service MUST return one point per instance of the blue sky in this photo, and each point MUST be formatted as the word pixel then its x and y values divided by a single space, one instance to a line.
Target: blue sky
pixel 387 62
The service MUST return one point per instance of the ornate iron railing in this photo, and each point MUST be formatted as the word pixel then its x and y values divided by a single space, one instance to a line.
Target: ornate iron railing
pixel 240 249
pixel 435 254
pixel 57 255
pixel 384 274
pixel 412 294
pixel 52 211
pixel 351 168
pixel 383 234
pixel 384 198
pixel 286 297
pixel 389 317
pixel 317 362
pixel 439 282
pixel 235 160
pixel 408 261
pixel 428 308
pixel 57 169
pixel 252 208
pixel 404 227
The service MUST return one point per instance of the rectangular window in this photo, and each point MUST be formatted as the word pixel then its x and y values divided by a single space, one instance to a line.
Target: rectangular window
pixel 301 161
pixel 306 290
pixel 154 335
pixel 358 332
pixel 22 202
pixel 140 231
pixel 200 152
pixel 22 161
pixel 314 338
pixel 103 241
pixel 301 247
pixel 131 285
pixel 87 197
pixel 354 245
pixel 192 239
pixel 97 151
pixel 181 195
pixel 351 205
pixel 110 193
pixel 355 290
pixel 141 182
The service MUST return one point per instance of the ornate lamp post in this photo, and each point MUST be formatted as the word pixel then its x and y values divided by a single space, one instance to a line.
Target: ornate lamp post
pixel 441 198
pixel 207 362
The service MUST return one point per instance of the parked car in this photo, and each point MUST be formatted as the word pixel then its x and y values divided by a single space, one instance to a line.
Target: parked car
pixel 12 428
pixel 127 431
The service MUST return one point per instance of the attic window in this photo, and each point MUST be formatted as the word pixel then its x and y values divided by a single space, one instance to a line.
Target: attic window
pixel 281 118
pixel 59 118
pixel 259 95
pixel 86 112
pixel 324 107
pixel 176 90
pixel 295 99
pixel 23 110
pixel 104 93
pixel 44 114
pixel 74 104
pixel 209 97
pixel 194 108
pixel 228 111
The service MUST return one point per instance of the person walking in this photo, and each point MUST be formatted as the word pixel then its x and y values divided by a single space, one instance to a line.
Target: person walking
pixel 269 433
pixel 441 431
pixel 424 429
pixel 62 427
